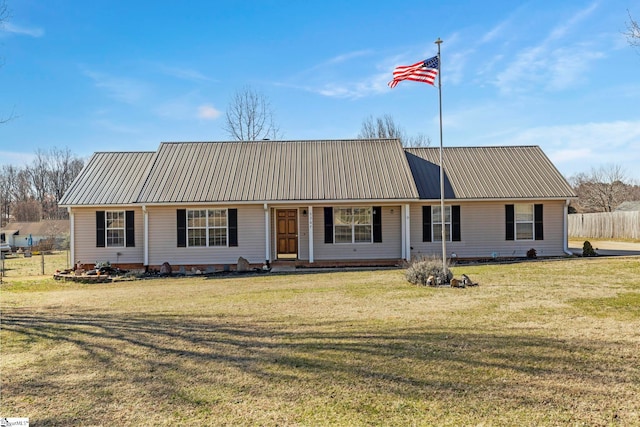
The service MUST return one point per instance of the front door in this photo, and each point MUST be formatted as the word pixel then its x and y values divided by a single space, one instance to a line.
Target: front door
pixel 287 235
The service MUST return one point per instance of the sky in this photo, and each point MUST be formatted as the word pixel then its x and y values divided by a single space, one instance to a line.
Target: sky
pixel 116 75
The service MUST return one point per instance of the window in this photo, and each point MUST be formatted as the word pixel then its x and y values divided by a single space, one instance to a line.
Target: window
pixel 352 225
pixel 207 227
pixel 436 219
pixel 115 228
pixel 524 221
pixel 432 223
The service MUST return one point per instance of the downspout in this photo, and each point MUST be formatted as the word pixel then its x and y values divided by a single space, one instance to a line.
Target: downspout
pixel 407 232
pixel 146 235
pixel 310 213
pixel 565 228
pixel 403 232
pixel 72 238
pixel 267 234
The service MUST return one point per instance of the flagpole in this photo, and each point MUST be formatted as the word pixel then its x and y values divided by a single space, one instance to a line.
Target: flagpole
pixel 442 216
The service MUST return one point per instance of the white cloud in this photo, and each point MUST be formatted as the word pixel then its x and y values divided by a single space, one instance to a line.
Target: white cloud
pixel 561 30
pixel 122 89
pixel 597 136
pixel 549 65
pixel 184 73
pixel 346 56
pixel 9 27
pixel 208 112
pixel 575 148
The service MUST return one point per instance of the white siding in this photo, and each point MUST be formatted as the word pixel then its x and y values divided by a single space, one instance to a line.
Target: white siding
pixel 86 251
pixel 482 230
pixel 163 238
pixel 389 248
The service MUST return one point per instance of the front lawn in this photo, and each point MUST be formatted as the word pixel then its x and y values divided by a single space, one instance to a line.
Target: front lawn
pixel 537 343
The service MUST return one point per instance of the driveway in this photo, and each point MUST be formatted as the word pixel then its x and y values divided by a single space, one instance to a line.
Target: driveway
pixel 607 248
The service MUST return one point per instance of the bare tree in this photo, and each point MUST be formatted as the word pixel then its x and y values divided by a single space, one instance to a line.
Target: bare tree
pixel 603 189
pixel 381 127
pixel 386 127
pixel 633 31
pixel 8 179
pixel 27 210
pixel 418 140
pixel 38 172
pixel 250 117
pixel 63 168
pixel 41 184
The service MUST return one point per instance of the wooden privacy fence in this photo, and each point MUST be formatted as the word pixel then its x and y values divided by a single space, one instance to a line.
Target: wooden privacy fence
pixel 605 225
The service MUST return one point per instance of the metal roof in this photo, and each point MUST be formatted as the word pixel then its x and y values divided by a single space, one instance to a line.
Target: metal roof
pixel 109 179
pixel 332 170
pixel 515 172
pixel 373 169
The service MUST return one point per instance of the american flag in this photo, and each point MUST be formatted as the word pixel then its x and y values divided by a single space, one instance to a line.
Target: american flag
pixel 423 71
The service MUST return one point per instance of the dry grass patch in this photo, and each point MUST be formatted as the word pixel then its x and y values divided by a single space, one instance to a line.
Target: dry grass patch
pixel 529 346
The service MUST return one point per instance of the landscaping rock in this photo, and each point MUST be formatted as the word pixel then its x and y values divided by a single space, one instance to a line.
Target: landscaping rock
pixel 243 265
pixel 165 269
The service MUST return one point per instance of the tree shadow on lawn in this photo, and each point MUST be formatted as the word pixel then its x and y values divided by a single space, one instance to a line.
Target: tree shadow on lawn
pixel 158 357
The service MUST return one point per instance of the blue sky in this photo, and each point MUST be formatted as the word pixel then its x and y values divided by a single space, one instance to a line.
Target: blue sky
pixel 126 75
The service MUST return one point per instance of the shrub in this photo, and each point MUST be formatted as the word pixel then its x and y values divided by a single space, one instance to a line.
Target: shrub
pixel 419 271
pixel 531 253
pixel 587 249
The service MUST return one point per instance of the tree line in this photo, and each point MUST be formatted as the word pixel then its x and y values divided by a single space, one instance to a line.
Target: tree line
pixel 32 192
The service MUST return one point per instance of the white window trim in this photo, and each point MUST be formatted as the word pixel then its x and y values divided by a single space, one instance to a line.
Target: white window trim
pixel 107 229
pixel 207 227
pixel 516 222
pixel 353 225
pixel 437 237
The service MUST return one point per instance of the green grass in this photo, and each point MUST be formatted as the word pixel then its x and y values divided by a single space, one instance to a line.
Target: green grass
pixel 537 343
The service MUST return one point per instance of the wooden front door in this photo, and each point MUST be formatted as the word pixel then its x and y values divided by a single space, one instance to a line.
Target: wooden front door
pixel 287 234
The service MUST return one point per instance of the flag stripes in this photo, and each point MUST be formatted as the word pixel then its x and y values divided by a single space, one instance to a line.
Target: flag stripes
pixel 423 71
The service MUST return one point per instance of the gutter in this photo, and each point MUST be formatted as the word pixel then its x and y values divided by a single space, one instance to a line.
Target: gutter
pixel 565 227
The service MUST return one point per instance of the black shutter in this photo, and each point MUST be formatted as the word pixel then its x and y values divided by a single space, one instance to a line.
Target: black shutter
pixel 455 223
pixel 377 224
pixel 100 229
pixel 233 227
pixel 130 230
pixel 328 225
pixel 426 223
pixel 181 219
pixel 537 219
pixel 510 217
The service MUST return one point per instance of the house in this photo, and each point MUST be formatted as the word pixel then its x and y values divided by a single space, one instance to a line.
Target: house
pixel 323 202
pixel 24 234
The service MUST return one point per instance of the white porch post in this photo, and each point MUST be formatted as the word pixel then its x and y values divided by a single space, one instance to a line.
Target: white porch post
pixel 72 240
pixel 310 210
pixel 267 234
pixel 145 214
pixel 407 231
pixel 403 232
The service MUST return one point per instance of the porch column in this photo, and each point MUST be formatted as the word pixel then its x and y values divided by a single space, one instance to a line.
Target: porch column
pixel 72 240
pixel 403 234
pixel 145 216
pixel 267 234
pixel 310 210
pixel 407 231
